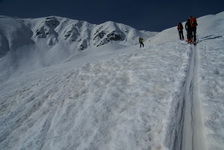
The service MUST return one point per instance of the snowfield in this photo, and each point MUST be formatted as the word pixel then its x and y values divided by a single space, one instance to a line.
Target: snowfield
pixel 168 95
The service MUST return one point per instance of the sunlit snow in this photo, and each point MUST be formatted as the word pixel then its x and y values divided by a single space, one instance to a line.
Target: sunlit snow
pixel 117 96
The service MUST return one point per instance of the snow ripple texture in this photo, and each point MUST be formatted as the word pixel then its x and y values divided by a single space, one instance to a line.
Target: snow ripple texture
pixel 118 103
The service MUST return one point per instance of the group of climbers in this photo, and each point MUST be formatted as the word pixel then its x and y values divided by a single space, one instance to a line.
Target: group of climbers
pixel 191 28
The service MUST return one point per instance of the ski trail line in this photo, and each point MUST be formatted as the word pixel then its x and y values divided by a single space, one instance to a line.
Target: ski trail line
pixel 193 136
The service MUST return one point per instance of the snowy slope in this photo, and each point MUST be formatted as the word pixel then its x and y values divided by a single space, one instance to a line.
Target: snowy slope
pixel 77 35
pixel 167 96
pixel 211 77
pixel 51 40
pixel 208 77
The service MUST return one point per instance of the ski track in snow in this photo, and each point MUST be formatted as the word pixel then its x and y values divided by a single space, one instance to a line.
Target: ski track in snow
pixel 193 133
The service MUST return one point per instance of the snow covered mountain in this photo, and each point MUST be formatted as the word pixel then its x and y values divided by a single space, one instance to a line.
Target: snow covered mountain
pixel 77 35
pixel 50 40
pixel 113 95
pixel 81 34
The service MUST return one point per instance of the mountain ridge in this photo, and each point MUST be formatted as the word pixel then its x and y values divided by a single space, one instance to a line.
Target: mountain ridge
pixel 79 33
pixel 50 40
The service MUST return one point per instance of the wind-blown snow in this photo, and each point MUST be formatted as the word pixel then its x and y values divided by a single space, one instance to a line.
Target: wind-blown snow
pixel 118 96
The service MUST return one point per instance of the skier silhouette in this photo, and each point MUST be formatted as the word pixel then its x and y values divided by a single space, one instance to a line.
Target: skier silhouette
pixel 141 42
pixel 193 22
pixel 189 31
pixel 180 30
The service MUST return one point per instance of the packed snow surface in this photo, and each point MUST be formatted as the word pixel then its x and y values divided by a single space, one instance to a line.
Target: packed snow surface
pixel 168 95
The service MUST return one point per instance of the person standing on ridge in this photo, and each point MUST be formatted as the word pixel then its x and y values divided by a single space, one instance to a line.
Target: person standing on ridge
pixel 180 30
pixel 141 42
pixel 189 31
pixel 193 23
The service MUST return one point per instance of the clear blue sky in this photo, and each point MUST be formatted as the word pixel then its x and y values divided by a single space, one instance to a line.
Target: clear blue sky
pixel 151 15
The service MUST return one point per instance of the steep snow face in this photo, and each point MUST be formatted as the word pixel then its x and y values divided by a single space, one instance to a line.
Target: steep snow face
pixel 15 44
pixel 13 34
